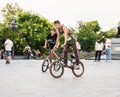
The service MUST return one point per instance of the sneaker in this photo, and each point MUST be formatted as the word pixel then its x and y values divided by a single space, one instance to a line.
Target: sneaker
pixel 7 62
pixel 109 60
pixel 65 65
pixel 76 67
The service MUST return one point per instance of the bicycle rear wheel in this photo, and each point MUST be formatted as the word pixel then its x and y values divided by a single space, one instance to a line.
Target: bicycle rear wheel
pixel 56 69
pixel 78 72
pixel 45 65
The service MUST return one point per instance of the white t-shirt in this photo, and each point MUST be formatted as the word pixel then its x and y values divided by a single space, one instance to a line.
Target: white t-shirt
pixel 98 46
pixel 78 45
pixel 28 48
pixel 8 45
pixel 108 43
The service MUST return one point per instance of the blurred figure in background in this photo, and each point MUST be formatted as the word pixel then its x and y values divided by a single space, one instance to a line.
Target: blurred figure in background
pixel 2 54
pixel 27 52
pixel 98 49
pixel 8 49
pixel 36 53
pixel 108 44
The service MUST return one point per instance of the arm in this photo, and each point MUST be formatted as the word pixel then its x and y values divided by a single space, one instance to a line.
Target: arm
pixel 102 46
pixel 46 42
pixel 12 45
pixel 5 43
pixel 95 45
pixel 65 35
pixel 57 40
pixel 110 43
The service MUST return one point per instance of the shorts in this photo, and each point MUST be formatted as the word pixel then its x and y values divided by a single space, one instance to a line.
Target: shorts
pixel 8 53
pixel 51 47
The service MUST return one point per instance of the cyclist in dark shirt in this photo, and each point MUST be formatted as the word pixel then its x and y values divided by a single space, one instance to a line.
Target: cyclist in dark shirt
pixel 51 42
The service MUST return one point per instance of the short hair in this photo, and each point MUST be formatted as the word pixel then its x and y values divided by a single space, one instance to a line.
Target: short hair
pixel 7 37
pixel 105 36
pixel 53 29
pixel 57 22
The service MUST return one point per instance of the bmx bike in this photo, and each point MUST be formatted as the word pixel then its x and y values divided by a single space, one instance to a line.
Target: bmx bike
pixel 57 67
pixel 46 63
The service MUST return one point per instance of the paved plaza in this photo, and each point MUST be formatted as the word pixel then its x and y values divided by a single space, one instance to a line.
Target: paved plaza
pixel 24 78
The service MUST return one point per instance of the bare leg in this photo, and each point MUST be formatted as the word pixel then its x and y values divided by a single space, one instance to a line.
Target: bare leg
pixel 75 51
pixel 50 57
pixel 65 54
pixel 8 58
pixel 55 55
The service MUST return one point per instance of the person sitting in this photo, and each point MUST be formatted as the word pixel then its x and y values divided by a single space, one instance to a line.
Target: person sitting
pixel 2 54
pixel 36 53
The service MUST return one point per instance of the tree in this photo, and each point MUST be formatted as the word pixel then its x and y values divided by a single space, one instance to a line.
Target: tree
pixel 32 28
pixel 87 34
pixel 93 26
pixel 110 33
pixel 9 11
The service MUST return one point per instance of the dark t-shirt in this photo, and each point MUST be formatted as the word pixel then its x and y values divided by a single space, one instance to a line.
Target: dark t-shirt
pixel 51 40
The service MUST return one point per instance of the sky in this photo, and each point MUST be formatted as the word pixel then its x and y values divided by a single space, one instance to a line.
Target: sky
pixel 70 11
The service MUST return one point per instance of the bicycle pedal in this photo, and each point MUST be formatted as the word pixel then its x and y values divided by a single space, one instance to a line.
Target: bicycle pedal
pixel 71 67
pixel 65 65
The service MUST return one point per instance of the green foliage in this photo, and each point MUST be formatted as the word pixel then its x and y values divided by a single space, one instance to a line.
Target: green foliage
pixel 111 33
pixel 9 11
pixel 87 34
pixel 2 36
pixel 32 29
pixel 93 26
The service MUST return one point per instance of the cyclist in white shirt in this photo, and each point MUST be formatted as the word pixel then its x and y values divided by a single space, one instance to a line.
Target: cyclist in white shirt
pixel 8 48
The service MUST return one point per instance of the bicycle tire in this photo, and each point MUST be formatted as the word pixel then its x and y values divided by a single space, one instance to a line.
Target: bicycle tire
pixel 53 69
pixel 81 68
pixel 45 65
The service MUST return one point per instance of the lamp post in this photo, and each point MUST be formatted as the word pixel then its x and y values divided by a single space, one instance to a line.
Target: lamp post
pixel 12 25
pixel 84 39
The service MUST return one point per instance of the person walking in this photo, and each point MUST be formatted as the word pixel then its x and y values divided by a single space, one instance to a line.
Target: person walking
pixel 98 49
pixel 108 49
pixel 8 49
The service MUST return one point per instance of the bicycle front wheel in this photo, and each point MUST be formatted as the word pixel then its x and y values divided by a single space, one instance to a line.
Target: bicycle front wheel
pixel 78 72
pixel 56 69
pixel 45 65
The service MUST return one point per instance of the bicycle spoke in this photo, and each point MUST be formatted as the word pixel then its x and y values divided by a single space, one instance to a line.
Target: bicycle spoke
pixel 78 72
pixel 56 69
pixel 45 66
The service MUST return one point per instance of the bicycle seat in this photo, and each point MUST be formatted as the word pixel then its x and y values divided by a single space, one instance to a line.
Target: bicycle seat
pixel 72 56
